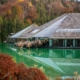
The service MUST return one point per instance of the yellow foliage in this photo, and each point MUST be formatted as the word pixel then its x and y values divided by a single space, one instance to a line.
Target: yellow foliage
pixel 20 0
pixel 29 21
pixel 35 66
pixel 9 12
pixel 19 9
pixel 42 69
pixel 75 73
pixel 37 0
pixel 14 59
pixel 30 4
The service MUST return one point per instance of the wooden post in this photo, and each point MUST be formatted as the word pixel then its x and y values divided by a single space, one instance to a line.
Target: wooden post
pixel 73 42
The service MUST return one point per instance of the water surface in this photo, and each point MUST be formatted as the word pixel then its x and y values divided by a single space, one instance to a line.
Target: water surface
pixel 54 62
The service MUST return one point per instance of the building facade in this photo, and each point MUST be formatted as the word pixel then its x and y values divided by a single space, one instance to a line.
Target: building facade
pixel 62 32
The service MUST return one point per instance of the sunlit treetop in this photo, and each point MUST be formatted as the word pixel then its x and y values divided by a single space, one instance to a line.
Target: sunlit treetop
pixel 37 0
pixel 9 11
pixel 20 0
pixel 30 4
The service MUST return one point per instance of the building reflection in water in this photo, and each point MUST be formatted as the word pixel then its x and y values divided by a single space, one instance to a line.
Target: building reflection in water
pixel 65 61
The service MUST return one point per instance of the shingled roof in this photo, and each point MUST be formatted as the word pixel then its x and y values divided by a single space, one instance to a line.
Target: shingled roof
pixel 67 27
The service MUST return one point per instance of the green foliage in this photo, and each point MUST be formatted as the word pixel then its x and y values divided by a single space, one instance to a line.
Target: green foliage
pixel 1 28
pixel 9 26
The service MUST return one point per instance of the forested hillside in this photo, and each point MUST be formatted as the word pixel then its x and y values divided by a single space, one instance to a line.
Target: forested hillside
pixel 18 14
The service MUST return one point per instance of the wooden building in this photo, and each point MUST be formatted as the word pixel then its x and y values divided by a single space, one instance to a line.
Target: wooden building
pixel 62 32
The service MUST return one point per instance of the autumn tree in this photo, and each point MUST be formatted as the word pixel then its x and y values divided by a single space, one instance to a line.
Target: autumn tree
pixel 16 14
pixel 8 68
pixel 30 73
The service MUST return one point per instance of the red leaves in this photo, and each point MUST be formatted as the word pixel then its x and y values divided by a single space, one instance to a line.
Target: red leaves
pixel 7 67
pixel 30 73
pixel 23 72
pixel 35 74
pixel 9 70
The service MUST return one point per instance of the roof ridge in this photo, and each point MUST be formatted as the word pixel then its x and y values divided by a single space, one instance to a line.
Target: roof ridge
pixel 52 21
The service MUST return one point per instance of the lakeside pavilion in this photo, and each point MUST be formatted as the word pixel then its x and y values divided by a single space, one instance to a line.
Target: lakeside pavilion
pixel 62 32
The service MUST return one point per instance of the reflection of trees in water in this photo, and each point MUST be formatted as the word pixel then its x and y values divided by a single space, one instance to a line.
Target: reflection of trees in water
pixel 29 61
pixel 55 53
pixel 40 52
pixel 20 51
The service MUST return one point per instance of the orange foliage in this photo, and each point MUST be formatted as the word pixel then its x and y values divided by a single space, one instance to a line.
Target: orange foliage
pixel 29 10
pixel 32 13
pixel 30 73
pixel 29 21
pixel 66 10
pixel 10 71
pixel 23 72
pixel 9 12
pixel 8 68
pixel 58 78
pixel 30 4
pixel 57 6
pixel 36 74
pixel 19 12
pixel 23 8
pixel 20 0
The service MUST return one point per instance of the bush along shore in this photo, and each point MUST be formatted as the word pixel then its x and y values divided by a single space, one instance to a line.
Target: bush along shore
pixel 9 70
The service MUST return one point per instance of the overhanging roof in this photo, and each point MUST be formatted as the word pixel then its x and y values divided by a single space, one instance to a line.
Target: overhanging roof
pixel 24 33
pixel 67 27
pixel 47 32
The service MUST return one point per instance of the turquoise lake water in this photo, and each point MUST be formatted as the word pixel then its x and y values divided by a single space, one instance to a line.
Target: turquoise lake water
pixel 54 62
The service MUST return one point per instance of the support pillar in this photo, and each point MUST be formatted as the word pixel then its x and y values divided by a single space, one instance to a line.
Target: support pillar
pixel 65 43
pixel 73 42
pixel 37 38
pixel 50 42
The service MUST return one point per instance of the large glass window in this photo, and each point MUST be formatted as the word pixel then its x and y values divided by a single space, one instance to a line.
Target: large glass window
pixel 57 43
pixel 78 43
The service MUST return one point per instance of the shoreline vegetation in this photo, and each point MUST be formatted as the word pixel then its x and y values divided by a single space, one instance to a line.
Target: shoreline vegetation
pixel 16 15
pixel 9 70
